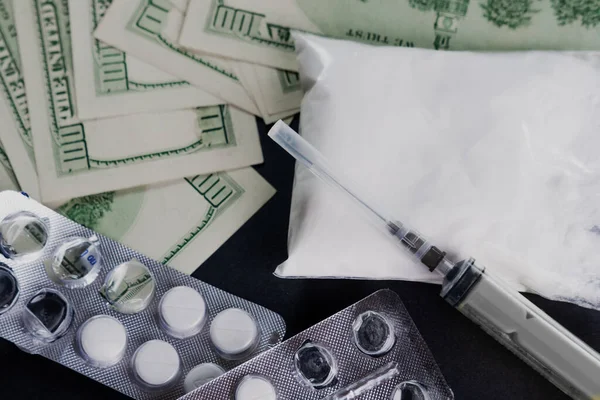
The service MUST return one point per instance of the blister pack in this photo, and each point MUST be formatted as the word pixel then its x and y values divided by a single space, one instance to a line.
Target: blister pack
pixel 115 315
pixel 370 350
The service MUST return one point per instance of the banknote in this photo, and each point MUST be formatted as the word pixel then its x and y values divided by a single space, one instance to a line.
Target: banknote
pixel 258 31
pixel 181 5
pixel 8 180
pixel 180 223
pixel 110 82
pixel 277 93
pixel 76 158
pixel 14 114
pixel 149 30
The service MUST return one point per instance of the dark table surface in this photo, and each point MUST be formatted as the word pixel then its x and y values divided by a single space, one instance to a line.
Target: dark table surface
pixel 475 366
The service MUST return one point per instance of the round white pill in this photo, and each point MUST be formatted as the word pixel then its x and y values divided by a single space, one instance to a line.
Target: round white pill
pixel 182 312
pixel 102 341
pixel 156 364
pixel 234 333
pixel 201 375
pixel 254 387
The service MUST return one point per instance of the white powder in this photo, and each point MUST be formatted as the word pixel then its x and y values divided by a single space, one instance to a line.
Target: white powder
pixel 490 155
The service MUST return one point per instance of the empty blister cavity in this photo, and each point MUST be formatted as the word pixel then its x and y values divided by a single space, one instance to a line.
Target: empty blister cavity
pixel 315 365
pixel 23 235
pixel 234 334
pixel 129 288
pixel 90 334
pixel 156 364
pixel 48 315
pixel 201 375
pixel 255 387
pixel 323 362
pixel 410 390
pixel 102 341
pixel 182 312
pixel 75 263
pixel 373 333
pixel 9 288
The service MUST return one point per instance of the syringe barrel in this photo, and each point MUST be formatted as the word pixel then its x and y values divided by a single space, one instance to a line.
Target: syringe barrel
pixel 524 329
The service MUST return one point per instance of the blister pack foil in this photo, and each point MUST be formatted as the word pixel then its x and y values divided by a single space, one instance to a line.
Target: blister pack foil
pixel 86 302
pixel 357 355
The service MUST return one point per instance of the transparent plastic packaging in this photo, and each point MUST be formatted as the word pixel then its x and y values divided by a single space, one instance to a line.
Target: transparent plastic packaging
pixel 410 390
pixel 100 313
pixel 373 333
pixel 9 288
pixel 129 288
pixel 48 315
pixel 75 263
pixel 315 365
pixel 324 362
pixel 201 375
pixel 23 235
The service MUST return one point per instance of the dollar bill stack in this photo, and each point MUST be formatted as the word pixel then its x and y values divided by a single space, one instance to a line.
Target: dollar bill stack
pixel 123 113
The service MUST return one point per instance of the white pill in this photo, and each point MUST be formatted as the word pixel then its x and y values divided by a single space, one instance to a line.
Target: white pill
pixel 201 375
pixel 182 312
pixel 234 333
pixel 156 364
pixel 102 341
pixel 254 387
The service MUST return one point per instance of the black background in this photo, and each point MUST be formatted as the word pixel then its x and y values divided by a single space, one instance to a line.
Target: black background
pixel 475 366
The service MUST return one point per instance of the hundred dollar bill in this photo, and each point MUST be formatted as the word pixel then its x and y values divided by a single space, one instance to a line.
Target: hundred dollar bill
pixel 110 82
pixel 179 223
pixel 14 113
pixel 76 158
pixel 258 30
pixel 149 30
pixel 8 180
pixel 181 5
pixel 277 93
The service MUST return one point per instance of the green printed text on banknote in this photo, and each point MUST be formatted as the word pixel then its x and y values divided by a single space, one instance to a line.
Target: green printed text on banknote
pixel 16 131
pixel 78 157
pixel 110 82
pixel 258 30
pixel 149 30
pixel 179 223
pixel 111 69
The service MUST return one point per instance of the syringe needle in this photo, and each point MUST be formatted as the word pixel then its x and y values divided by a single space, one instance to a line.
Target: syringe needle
pixel 501 311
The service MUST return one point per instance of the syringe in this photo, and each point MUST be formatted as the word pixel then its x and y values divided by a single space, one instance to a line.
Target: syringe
pixel 501 311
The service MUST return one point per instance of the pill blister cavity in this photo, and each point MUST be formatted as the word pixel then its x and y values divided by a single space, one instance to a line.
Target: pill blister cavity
pixel 156 364
pixel 234 334
pixel 75 263
pixel 201 375
pixel 373 333
pixel 255 387
pixel 315 365
pixel 102 341
pixel 9 288
pixel 48 315
pixel 182 312
pixel 129 288
pixel 23 235
pixel 410 390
